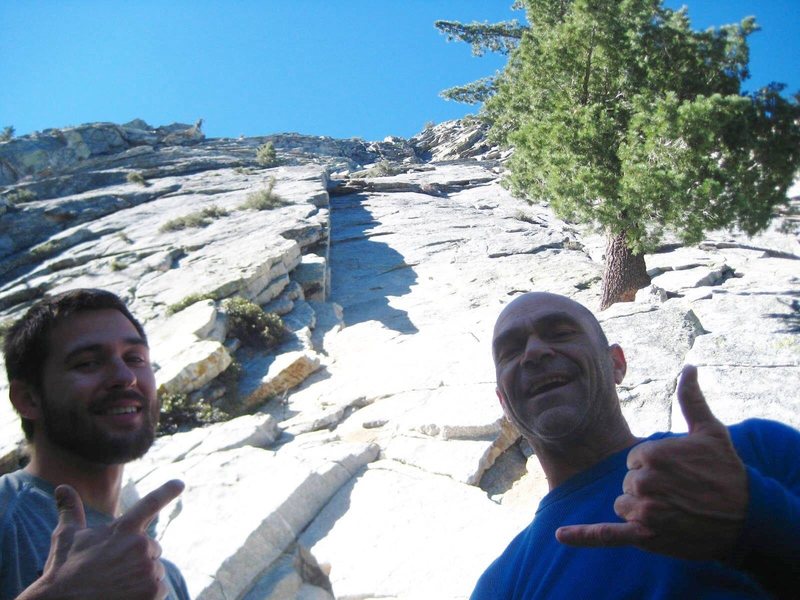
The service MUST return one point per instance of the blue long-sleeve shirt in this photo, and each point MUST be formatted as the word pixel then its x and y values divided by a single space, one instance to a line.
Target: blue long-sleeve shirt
pixel 766 562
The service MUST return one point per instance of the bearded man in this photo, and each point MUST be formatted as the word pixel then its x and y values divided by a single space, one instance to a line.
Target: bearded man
pixel 80 378
pixel 711 514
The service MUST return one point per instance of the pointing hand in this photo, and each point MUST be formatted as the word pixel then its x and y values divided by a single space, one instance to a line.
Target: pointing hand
pixel 685 497
pixel 117 561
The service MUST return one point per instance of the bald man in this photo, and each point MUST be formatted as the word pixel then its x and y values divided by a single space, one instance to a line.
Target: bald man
pixel 711 514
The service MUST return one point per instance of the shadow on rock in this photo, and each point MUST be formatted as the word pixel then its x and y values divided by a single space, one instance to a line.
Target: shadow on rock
pixel 790 319
pixel 366 272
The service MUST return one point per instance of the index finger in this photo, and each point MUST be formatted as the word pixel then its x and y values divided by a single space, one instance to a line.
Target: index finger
pixel 138 517
pixel 604 534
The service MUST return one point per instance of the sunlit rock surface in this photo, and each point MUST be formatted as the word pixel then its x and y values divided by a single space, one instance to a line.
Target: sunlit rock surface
pixel 368 456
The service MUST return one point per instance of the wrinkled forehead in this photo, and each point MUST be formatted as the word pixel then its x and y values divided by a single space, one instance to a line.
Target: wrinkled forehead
pixel 533 307
pixel 538 303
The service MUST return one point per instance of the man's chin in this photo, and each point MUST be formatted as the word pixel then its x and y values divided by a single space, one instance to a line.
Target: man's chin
pixel 110 450
pixel 557 424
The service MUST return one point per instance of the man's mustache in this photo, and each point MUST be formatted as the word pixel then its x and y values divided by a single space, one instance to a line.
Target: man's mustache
pixel 117 396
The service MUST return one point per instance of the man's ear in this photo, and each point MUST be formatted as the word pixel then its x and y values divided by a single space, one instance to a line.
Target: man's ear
pixel 618 363
pixel 25 399
pixel 502 399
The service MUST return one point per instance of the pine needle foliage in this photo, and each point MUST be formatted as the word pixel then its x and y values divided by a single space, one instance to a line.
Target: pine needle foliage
pixel 621 115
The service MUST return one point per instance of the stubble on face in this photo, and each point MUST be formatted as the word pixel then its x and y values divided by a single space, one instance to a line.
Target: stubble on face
pixel 564 345
pixel 72 429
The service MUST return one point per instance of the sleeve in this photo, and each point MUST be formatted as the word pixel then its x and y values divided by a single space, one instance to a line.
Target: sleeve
pixel 770 541
pixel 179 590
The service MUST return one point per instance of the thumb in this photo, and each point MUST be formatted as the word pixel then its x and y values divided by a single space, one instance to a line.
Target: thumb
pixel 694 407
pixel 70 507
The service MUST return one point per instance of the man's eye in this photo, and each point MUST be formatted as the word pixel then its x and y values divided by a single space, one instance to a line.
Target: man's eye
pixel 508 352
pixel 136 360
pixel 561 332
pixel 86 365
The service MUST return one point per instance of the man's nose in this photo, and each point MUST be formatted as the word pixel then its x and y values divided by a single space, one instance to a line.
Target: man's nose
pixel 120 374
pixel 536 350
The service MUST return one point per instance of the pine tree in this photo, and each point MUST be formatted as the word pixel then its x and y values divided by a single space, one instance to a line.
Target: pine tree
pixel 500 37
pixel 621 115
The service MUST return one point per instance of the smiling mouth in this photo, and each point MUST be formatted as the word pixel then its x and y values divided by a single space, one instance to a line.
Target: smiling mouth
pixel 548 384
pixel 119 410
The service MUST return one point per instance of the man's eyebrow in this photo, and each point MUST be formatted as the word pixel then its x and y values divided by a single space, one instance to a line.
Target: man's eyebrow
pixel 130 341
pixel 506 336
pixel 555 318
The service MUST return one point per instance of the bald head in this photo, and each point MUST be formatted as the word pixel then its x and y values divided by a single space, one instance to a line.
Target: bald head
pixel 544 302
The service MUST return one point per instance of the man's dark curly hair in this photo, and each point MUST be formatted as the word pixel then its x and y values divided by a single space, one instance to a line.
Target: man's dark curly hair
pixel 25 345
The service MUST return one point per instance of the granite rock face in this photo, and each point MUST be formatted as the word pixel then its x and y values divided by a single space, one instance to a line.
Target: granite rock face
pixel 368 456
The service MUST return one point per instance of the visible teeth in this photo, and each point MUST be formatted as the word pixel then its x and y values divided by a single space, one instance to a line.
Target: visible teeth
pixel 122 410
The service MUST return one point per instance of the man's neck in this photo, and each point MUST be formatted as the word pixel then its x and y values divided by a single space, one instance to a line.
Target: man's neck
pixel 97 484
pixel 560 463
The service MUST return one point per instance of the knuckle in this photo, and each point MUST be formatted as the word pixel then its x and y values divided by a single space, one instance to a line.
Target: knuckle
pixel 140 544
pixel 648 511
pixel 605 535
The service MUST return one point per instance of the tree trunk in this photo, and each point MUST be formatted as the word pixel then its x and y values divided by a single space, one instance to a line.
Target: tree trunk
pixel 624 272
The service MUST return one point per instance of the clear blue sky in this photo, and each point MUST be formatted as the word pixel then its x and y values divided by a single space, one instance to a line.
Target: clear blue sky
pixel 344 68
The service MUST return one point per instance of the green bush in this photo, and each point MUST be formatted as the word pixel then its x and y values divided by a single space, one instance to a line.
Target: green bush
pixel 7 133
pixel 383 168
pixel 201 218
pixel 20 196
pixel 179 413
pixel 117 265
pixel 188 301
pixel 136 177
pixel 45 249
pixel 265 199
pixel 248 322
pixel 266 155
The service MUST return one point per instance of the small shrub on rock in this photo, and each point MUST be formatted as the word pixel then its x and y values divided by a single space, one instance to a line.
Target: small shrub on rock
pixel 45 249
pixel 20 196
pixel 180 413
pixel 266 155
pixel 265 199
pixel 136 177
pixel 187 301
pixel 201 218
pixel 381 169
pixel 248 322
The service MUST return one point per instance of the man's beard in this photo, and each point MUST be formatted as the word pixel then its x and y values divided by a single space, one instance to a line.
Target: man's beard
pixel 73 429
